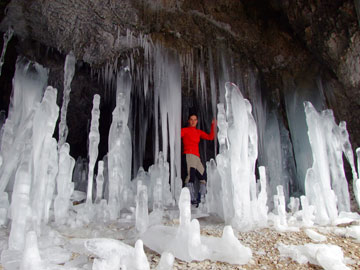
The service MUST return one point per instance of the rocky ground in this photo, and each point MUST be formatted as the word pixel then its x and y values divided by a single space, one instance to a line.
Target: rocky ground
pixel 263 243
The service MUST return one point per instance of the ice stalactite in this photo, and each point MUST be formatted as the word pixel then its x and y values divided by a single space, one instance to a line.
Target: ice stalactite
pixel 6 37
pixel 167 81
pixel 94 139
pixel 69 71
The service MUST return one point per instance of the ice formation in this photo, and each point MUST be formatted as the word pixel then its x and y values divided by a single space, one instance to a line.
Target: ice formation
pixel 94 139
pixel 69 71
pixel 325 182
pixel 186 243
pixel 330 257
pixel 7 37
pixel 235 168
pixel 36 172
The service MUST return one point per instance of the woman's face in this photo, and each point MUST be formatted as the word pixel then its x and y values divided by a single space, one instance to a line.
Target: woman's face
pixel 193 121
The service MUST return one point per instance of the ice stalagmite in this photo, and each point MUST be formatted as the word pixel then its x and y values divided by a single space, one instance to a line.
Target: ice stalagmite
pixel 99 181
pixel 262 199
pixel 223 166
pixel 279 204
pixel 120 151
pixel 160 170
pixel 65 186
pixel 113 254
pixel 238 134
pixel 142 213
pixel 214 193
pixel 334 143
pixel 317 180
pixel 31 259
pixel 44 155
pixel 69 71
pixel 94 139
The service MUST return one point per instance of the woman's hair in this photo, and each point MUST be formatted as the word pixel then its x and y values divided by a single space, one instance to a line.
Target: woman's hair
pixel 192 114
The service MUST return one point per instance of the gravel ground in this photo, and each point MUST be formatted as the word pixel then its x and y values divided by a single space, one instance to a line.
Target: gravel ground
pixel 263 244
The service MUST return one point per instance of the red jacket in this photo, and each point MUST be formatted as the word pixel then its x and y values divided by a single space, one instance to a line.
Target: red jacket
pixel 191 137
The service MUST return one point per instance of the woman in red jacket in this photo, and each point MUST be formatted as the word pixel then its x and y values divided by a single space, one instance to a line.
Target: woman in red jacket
pixel 191 137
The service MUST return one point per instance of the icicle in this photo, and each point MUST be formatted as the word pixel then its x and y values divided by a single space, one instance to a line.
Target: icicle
pixel 7 37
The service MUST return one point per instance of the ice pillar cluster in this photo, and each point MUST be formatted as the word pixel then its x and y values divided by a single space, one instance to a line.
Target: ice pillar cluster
pixel 235 168
pixel 30 161
pixel 325 182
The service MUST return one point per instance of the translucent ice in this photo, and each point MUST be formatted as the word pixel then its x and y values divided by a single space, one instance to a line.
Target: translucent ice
pixel 113 254
pixel 94 139
pixel 317 181
pixel 166 261
pixel 65 186
pixel 330 257
pixel 99 182
pixel 69 71
pixel 142 212
pixel 313 235
pixel 7 36
pixel 186 243
pixel 31 257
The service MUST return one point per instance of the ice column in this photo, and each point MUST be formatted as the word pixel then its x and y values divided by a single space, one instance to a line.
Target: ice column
pixel 335 146
pixel 120 149
pixel 94 139
pixel 69 71
pixel 317 180
pixel 28 87
pixel 241 174
pixel 99 181
pixel 65 186
pixel 119 156
pixel 7 36
pixel 223 166
pixel 44 154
